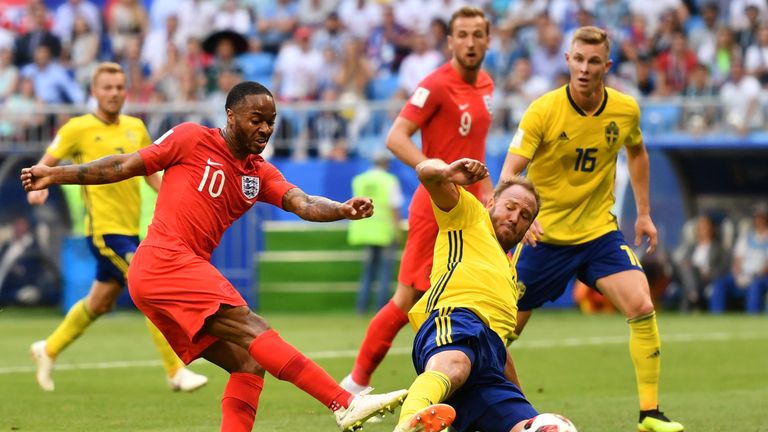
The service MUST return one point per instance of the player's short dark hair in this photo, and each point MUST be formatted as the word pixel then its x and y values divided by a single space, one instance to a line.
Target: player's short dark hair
pixel 469 12
pixel 592 35
pixel 243 89
pixel 520 181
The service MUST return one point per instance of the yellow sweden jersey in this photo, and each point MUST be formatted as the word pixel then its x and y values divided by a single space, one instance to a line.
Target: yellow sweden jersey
pixel 573 161
pixel 470 270
pixel 110 208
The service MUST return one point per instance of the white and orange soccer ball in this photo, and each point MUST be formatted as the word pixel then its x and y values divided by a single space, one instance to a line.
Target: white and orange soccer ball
pixel 549 422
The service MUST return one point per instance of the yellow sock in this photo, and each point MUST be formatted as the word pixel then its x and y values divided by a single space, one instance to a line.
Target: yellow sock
pixel 645 350
pixel 427 389
pixel 171 362
pixel 75 322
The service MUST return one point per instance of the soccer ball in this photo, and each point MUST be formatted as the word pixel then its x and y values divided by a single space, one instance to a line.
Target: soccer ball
pixel 548 422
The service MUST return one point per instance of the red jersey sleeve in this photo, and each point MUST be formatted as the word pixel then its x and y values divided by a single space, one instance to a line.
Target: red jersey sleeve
pixel 170 148
pixel 424 102
pixel 274 185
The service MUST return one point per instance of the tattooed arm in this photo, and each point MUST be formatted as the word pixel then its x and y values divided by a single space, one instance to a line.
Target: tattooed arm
pixel 320 209
pixel 108 169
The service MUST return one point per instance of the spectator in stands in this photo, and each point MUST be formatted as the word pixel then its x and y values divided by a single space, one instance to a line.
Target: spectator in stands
pixel 225 45
pixel 502 54
pixel 233 16
pixel 156 44
pixel 748 36
pixel 196 18
pixel 756 61
pixel 127 19
pixel 22 118
pixel 705 33
pixel 697 116
pixel 360 17
pixel 739 13
pixel 276 24
pixel 313 13
pixel 720 55
pixel 418 64
pixel 138 85
pixel 296 68
pixel 668 27
pixel 167 78
pixel 36 35
pixel 740 99
pixel 331 35
pixel 674 66
pixel 613 15
pixel 388 44
pixel 380 234
pixel 226 80
pixel 159 12
pixel 67 12
pixel 9 74
pixel 521 18
pixel 653 11
pixel 84 52
pixel 438 37
pixel 53 85
pixel 637 34
pixel 697 263
pixel 524 87
pixel 749 275
pixel 547 56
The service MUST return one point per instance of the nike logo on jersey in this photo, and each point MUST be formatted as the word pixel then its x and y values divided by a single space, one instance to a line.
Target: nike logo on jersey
pixel 462 107
pixel 212 163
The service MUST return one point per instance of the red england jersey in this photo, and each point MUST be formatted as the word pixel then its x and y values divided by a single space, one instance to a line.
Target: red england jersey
pixel 204 188
pixel 454 118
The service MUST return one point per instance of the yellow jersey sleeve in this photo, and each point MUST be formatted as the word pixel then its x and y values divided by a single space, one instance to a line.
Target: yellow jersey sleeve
pixel 529 134
pixel 635 136
pixel 65 144
pixel 468 211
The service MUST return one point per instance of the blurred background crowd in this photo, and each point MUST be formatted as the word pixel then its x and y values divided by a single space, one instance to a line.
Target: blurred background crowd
pixel 341 70
pixel 702 63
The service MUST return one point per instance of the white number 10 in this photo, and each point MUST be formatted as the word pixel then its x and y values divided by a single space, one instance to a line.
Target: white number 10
pixel 216 177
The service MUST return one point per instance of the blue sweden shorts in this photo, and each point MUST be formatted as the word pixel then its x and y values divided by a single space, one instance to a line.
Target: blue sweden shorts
pixel 487 402
pixel 546 269
pixel 113 252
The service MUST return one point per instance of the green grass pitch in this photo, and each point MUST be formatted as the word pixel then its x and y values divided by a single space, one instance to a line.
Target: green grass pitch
pixel 714 374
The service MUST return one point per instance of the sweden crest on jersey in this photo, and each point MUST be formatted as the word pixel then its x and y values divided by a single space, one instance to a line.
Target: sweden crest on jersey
pixel 250 186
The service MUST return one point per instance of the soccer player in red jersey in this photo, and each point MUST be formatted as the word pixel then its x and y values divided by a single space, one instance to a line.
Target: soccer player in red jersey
pixel 212 177
pixel 452 107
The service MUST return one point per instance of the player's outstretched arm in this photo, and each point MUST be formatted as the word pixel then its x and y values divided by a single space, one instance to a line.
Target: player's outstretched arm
pixel 38 197
pixel 321 209
pixel 400 143
pixel 639 168
pixel 108 169
pixel 440 179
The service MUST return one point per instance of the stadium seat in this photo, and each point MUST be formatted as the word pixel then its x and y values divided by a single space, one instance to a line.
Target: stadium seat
pixel 383 88
pixel 659 118
pixel 256 66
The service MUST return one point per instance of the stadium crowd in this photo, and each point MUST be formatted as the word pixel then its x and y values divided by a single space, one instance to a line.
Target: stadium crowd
pixel 348 52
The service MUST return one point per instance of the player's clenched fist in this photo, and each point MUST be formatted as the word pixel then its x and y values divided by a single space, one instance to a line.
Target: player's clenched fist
pixel 358 208
pixel 35 178
pixel 465 171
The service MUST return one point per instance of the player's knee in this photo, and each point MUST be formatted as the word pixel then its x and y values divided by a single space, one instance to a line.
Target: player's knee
pixel 248 365
pixel 640 308
pixel 257 324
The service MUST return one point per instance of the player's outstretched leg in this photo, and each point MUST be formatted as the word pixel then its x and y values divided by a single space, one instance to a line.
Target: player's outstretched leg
pixel 44 352
pixel 286 363
pixel 178 377
pixel 381 331
pixel 433 418
pixel 365 406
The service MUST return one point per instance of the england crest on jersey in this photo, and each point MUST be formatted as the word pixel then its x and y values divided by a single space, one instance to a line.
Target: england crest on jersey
pixel 250 186
pixel 488 103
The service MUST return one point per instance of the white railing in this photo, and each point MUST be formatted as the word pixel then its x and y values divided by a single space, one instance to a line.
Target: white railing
pixel 333 129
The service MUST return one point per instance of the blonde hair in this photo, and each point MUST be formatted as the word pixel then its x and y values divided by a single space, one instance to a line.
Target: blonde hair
pixel 591 35
pixel 106 68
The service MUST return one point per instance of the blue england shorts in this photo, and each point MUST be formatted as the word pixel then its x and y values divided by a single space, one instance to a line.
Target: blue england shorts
pixel 113 252
pixel 546 269
pixel 487 402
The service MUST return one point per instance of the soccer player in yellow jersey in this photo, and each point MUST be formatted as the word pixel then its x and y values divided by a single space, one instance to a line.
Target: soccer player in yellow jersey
pixel 111 223
pixel 468 314
pixel 569 140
